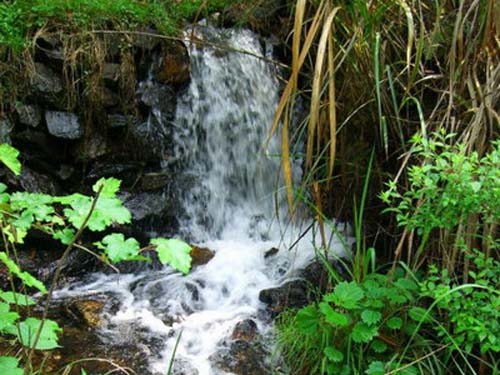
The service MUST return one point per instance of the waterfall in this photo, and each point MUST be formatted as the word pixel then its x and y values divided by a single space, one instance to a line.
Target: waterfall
pixel 222 121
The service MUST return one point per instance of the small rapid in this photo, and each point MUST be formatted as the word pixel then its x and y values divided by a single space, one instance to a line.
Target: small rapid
pixel 233 208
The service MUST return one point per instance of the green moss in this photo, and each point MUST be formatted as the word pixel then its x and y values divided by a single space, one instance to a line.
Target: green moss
pixel 19 18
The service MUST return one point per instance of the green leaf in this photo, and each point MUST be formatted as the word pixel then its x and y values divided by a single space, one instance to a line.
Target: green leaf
pixel 7 317
pixel 17 298
pixel 333 354
pixel 27 279
pixel 118 249
pixel 174 252
pixel 10 366
pixel 333 317
pixel 65 235
pixel 9 156
pixel 375 368
pixel 371 317
pixel 110 187
pixel 394 323
pixel 363 333
pixel 346 295
pixel 307 320
pixel 28 329
pixel 379 346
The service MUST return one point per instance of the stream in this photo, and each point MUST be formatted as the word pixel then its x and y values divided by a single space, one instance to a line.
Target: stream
pixel 236 208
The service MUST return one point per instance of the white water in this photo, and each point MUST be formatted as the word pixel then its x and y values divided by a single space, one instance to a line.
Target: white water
pixel 222 121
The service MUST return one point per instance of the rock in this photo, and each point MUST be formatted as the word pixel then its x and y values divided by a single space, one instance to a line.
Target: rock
pixel 45 81
pixel 63 125
pixel 246 330
pixel 108 98
pixel 86 311
pixel 272 251
pixel 29 114
pixel 175 65
pixel 111 72
pixel 121 121
pixel 292 294
pixel 241 358
pixel 183 367
pixel 34 182
pixel 92 147
pixel 146 41
pixel 154 180
pixel 146 205
pixel 200 256
pixel 5 130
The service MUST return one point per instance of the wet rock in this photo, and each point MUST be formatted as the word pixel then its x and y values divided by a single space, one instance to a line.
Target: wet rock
pixel 92 147
pixel 183 367
pixel 111 72
pixel 146 205
pixel 272 251
pixel 175 65
pixel 5 130
pixel 241 358
pixel 108 98
pixel 155 180
pixel 45 81
pixel 86 311
pixel 123 171
pixel 29 114
pixel 246 330
pixel 121 121
pixel 200 256
pixel 147 40
pixel 34 182
pixel 292 294
pixel 63 125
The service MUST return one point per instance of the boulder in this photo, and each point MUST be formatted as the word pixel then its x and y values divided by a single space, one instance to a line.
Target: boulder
pixel 86 312
pixel 155 180
pixel 45 81
pixel 111 72
pixel 175 65
pixel 63 125
pixel 200 256
pixel 241 358
pixel 29 114
pixel 34 182
pixel 5 130
pixel 246 330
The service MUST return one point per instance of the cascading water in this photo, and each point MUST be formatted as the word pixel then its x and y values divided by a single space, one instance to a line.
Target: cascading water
pixel 221 124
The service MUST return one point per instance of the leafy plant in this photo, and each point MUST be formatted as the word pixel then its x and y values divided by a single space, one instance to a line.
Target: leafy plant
pixel 357 327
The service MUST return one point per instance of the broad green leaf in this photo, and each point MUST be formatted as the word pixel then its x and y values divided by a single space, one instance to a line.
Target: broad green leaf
pixel 375 368
pixel 406 284
pixel 118 249
pixel 3 187
pixel 333 354
pixel 394 323
pixel 346 295
pixel 333 317
pixel 110 187
pixel 17 298
pixel 10 366
pixel 27 279
pixel 371 317
pixel 36 204
pixel 65 235
pixel 363 333
pixel 379 346
pixel 307 320
pixel 174 252
pixel 7 317
pixel 28 329
pixel 83 372
pixel 9 156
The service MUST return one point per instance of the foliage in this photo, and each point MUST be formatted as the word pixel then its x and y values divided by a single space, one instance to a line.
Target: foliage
pixel 356 327
pixel 64 218
pixel 472 313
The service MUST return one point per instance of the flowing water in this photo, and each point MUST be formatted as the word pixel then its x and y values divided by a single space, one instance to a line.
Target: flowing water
pixel 221 124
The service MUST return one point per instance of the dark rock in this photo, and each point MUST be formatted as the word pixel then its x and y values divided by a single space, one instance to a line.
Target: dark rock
pixel 175 65
pixel 34 182
pixel 121 121
pixel 29 114
pixel 272 251
pixel 45 81
pixel 294 294
pixel 146 41
pixel 92 147
pixel 241 358
pixel 5 130
pixel 246 330
pixel 65 171
pixel 63 125
pixel 154 180
pixel 122 171
pixel 111 72
pixel 200 256
pixel 146 205
pixel 108 98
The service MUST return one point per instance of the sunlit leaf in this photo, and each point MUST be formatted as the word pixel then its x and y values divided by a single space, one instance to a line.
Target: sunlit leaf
pixel 118 249
pixel 10 366
pixel 26 333
pixel 9 156
pixel 173 252
pixel 17 298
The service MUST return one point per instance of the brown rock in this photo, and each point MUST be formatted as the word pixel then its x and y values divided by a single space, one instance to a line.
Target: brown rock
pixel 200 255
pixel 87 311
pixel 175 66
pixel 246 330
